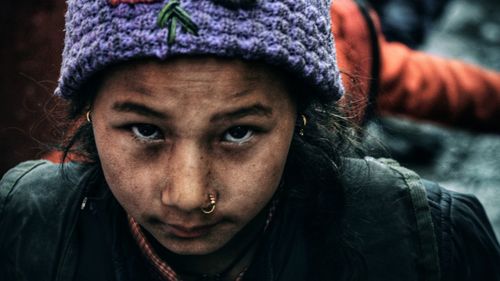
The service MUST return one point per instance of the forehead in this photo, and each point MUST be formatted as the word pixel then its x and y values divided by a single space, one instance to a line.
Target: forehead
pixel 193 69
pixel 194 80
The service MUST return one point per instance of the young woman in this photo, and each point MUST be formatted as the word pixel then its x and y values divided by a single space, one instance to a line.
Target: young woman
pixel 207 145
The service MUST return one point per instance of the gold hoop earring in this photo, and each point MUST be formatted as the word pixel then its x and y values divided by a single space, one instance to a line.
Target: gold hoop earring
pixel 211 206
pixel 88 117
pixel 304 124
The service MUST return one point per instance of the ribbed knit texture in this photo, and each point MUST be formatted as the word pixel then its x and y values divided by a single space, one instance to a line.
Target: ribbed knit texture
pixel 292 34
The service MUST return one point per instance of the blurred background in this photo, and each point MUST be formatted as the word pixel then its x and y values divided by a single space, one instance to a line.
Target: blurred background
pixel 30 56
pixel 32 39
pixel 460 160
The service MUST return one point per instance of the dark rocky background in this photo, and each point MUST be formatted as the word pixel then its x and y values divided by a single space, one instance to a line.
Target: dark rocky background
pixel 32 36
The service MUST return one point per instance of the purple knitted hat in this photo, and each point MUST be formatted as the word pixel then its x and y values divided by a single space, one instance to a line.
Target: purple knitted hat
pixel 292 34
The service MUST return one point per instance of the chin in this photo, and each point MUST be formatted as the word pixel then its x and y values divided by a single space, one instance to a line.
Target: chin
pixel 195 247
pixel 216 239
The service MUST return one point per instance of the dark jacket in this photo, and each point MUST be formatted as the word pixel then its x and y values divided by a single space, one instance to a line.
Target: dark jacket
pixel 403 227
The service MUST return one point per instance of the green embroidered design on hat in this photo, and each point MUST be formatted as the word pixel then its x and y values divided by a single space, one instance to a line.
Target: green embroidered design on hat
pixel 172 14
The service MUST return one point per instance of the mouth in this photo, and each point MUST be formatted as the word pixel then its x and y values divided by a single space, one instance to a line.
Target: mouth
pixel 189 232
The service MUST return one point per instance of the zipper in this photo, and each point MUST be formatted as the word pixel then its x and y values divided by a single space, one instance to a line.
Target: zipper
pixel 74 221
pixel 84 203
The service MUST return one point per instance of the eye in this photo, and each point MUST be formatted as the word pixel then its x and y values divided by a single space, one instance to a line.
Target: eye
pixel 146 132
pixel 239 134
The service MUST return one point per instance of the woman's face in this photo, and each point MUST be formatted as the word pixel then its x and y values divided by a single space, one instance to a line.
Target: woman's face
pixel 168 134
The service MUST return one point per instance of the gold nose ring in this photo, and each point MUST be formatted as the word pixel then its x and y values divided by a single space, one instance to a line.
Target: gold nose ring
pixel 89 119
pixel 211 206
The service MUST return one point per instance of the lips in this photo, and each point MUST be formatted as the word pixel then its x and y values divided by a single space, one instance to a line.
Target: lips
pixel 189 232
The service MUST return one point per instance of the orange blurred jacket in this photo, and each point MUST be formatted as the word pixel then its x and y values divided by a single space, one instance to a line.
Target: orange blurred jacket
pixel 389 78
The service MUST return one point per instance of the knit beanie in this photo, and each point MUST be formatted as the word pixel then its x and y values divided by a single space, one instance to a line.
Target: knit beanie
pixel 294 35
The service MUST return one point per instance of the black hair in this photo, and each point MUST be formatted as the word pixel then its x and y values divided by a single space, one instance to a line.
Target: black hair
pixel 312 173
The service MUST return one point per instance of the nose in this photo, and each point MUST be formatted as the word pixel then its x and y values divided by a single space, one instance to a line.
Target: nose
pixel 187 188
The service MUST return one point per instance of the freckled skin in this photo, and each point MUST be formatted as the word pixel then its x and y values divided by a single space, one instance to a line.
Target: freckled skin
pixel 166 181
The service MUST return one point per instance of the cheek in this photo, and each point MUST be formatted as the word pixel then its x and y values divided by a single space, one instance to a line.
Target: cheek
pixel 129 181
pixel 253 184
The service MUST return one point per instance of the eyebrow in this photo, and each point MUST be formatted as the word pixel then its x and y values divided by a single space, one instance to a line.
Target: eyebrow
pixel 138 109
pixel 257 109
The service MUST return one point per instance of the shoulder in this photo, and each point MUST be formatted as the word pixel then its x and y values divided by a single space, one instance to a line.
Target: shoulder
pixel 37 196
pixel 38 200
pixel 37 184
pixel 16 174
pixel 387 215
pixel 469 249
pixel 368 169
pixel 433 225
pixel 379 186
pixel 380 178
